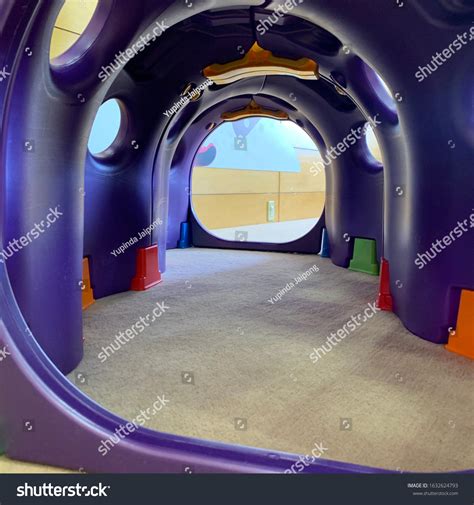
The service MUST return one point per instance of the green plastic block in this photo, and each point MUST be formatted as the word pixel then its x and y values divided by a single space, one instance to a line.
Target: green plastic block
pixel 2 439
pixel 364 258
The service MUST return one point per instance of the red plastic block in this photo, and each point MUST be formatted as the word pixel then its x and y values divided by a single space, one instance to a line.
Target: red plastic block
pixel 147 272
pixel 384 300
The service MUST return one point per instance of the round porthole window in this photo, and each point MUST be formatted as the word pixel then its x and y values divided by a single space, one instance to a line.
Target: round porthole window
pixel 258 180
pixel 70 25
pixel 109 122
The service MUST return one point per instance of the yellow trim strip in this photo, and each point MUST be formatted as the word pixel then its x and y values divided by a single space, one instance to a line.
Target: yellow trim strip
pixel 260 62
pixel 252 110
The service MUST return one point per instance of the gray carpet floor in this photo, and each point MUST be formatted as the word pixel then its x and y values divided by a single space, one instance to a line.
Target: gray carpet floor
pixel 381 397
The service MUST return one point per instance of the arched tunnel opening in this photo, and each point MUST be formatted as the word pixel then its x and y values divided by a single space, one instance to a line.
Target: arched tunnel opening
pixel 149 276
pixel 257 179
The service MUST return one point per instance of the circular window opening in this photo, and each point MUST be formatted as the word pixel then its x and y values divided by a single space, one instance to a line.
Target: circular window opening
pixel 109 123
pixel 72 20
pixel 372 143
pixel 258 180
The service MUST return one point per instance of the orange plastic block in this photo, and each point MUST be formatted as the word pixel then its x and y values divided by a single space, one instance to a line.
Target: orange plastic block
pixel 147 270
pixel 461 341
pixel 87 292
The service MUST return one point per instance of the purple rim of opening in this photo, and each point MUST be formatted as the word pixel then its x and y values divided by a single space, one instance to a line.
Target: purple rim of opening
pixel 118 145
pixel 386 100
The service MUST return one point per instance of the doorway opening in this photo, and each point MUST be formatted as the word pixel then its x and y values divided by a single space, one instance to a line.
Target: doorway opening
pixel 257 180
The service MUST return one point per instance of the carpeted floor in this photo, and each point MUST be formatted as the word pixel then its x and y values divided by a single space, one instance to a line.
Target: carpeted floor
pixel 381 397
pixel 8 465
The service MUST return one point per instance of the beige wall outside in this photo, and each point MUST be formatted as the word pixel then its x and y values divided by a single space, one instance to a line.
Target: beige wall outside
pixel 71 22
pixel 229 198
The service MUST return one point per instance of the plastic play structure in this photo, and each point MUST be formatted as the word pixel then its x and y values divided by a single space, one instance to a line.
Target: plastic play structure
pixel 318 68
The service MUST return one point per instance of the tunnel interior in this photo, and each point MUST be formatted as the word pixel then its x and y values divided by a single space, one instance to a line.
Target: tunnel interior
pixel 159 63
